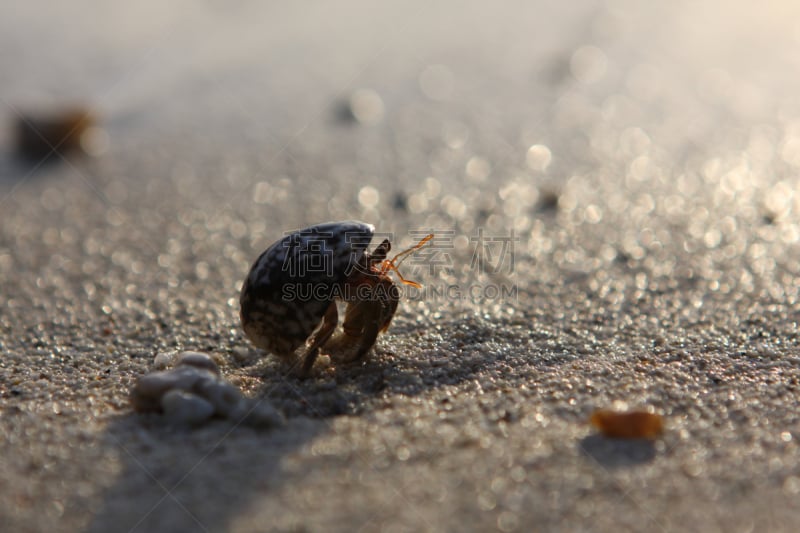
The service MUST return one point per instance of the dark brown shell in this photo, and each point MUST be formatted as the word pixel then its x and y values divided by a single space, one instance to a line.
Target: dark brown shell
pixel 287 291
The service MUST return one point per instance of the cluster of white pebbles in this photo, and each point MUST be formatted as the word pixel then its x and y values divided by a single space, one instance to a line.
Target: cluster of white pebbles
pixel 193 392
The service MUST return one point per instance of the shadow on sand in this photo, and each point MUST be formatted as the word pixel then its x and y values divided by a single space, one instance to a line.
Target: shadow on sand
pixel 203 478
pixel 617 453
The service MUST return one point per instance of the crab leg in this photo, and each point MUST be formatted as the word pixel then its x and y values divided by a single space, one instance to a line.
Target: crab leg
pixel 319 338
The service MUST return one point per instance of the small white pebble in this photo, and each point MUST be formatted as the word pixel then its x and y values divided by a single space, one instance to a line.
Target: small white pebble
pixel 164 360
pixel 186 408
pixel 242 354
pixel 198 360
pixel 324 360
pixel 225 398
pixel 149 389
pixel 366 106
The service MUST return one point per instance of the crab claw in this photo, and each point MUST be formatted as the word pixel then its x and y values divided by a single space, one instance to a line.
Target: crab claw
pixel 364 319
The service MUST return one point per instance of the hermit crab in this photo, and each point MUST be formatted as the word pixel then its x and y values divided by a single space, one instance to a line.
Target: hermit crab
pixel 289 298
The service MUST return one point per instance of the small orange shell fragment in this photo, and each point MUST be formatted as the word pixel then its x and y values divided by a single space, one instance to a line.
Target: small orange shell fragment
pixel 628 425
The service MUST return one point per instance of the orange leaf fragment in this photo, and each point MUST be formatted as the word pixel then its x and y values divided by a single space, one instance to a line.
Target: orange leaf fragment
pixel 628 425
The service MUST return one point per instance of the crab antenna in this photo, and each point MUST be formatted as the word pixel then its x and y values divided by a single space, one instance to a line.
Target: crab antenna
pixel 396 261
pixel 405 253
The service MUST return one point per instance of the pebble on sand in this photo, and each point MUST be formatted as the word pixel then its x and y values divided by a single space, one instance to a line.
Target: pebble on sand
pixel 193 392
pixel 186 408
